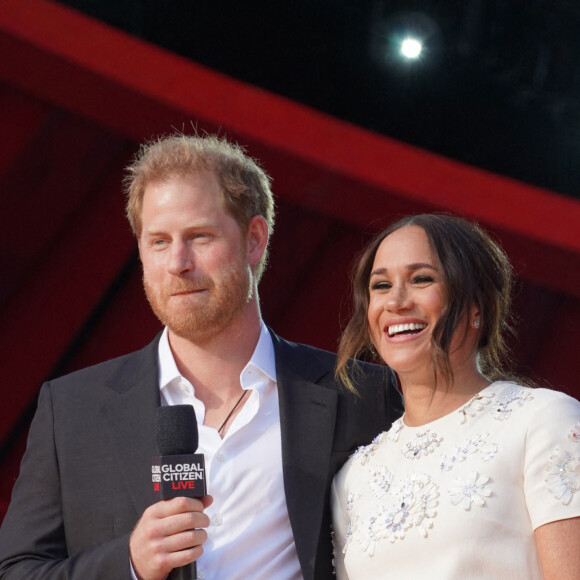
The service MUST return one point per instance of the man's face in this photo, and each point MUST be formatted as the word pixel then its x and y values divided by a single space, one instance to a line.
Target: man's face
pixel 195 272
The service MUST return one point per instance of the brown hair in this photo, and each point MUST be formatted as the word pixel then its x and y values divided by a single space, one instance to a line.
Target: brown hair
pixel 244 185
pixel 475 271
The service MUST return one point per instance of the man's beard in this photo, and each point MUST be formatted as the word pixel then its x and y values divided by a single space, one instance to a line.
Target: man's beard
pixel 228 295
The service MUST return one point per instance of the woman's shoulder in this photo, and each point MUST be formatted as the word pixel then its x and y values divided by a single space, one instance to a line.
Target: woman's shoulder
pixel 508 390
pixel 545 408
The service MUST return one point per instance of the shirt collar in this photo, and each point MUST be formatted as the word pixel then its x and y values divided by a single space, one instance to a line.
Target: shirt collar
pixel 262 359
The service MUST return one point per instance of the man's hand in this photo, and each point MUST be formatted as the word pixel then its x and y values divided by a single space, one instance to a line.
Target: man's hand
pixel 168 536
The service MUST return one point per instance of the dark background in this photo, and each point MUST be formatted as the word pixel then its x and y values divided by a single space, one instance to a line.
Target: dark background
pixel 498 87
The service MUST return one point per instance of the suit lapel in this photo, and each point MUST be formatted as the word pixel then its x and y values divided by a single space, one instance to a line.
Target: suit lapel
pixel 129 413
pixel 307 418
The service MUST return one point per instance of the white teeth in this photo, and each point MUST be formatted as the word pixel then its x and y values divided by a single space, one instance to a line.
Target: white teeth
pixel 396 328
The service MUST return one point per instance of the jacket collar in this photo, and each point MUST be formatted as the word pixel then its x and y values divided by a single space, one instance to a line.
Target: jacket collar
pixel 307 418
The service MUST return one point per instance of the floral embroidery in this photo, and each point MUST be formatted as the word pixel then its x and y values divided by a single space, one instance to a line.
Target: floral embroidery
pixel 503 407
pixel 412 505
pixel 478 403
pixel 563 475
pixel 364 452
pixel 470 490
pixel 575 433
pixel 380 481
pixel 476 444
pixel 424 443
pixel 367 536
pixel 349 501
pixel 395 429
pixel 348 536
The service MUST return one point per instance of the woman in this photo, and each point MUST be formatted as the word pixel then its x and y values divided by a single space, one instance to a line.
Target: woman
pixel 481 476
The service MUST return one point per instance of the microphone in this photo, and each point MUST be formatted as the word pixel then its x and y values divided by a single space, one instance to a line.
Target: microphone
pixel 178 471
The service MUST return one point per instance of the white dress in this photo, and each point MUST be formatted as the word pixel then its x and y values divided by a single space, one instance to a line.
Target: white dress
pixel 459 498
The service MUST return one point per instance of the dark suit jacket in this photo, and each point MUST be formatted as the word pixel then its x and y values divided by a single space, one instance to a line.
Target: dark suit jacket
pixel 86 475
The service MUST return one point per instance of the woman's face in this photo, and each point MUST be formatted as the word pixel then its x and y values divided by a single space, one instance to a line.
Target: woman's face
pixel 407 298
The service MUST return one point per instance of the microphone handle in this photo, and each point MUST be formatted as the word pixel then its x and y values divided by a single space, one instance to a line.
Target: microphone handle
pixel 187 572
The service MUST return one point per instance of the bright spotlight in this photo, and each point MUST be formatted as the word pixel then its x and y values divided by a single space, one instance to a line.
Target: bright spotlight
pixel 411 48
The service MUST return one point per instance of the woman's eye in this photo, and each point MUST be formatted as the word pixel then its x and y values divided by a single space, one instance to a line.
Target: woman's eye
pixel 381 286
pixel 422 279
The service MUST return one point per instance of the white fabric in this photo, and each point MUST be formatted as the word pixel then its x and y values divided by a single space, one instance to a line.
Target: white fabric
pixel 250 534
pixel 459 498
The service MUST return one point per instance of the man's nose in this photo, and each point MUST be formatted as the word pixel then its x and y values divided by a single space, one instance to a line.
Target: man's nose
pixel 181 259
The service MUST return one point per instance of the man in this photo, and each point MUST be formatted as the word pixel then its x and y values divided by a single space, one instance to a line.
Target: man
pixel 273 424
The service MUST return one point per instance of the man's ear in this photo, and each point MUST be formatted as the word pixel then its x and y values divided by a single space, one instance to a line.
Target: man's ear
pixel 256 239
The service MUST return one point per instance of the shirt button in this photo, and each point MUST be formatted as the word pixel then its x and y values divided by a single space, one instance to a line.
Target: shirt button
pixel 219 457
pixel 217 520
pixel 201 574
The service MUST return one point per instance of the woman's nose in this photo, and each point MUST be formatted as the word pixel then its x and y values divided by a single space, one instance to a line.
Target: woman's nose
pixel 399 298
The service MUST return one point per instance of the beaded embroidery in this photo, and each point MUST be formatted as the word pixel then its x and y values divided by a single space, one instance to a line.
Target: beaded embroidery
pixel 424 443
pixel 364 452
pixel 380 481
pixel 412 505
pixel 396 429
pixel 470 490
pixel 474 406
pixel 476 444
pixel 563 475
pixel 349 501
pixel 503 408
pixel 348 537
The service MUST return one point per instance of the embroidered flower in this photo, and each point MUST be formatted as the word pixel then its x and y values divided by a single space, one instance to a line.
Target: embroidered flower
pixel 424 510
pixel 424 443
pixel 476 444
pixel 504 407
pixel 349 501
pixel 412 505
pixel 348 536
pixel 474 406
pixel 574 434
pixel 364 453
pixel 470 490
pixel 563 475
pixel 380 481
pixel 367 536
pixel 489 451
pixel 396 429
pixel 393 523
pixel 448 461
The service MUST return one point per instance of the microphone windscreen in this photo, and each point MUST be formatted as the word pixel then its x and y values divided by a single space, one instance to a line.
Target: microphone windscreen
pixel 176 430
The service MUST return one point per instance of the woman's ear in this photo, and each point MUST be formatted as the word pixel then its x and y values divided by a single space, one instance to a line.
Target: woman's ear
pixel 475 317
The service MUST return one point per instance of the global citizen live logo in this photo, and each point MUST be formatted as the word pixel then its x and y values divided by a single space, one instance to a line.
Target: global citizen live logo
pixel 178 476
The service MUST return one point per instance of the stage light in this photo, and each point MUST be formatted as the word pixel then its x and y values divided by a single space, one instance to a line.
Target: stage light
pixel 406 41
pixel 411 48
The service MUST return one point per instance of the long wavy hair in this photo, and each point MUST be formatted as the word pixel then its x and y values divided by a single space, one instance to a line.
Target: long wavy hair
pixel 476 271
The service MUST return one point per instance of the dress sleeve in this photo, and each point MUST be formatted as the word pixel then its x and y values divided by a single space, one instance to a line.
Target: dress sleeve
pixel 552 459
pixel 340 522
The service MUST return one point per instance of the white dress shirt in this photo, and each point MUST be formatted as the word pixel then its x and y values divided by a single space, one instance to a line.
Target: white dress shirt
pixel 250 534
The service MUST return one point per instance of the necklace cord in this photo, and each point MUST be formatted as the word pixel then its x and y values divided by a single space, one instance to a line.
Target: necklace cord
pixel 231 412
